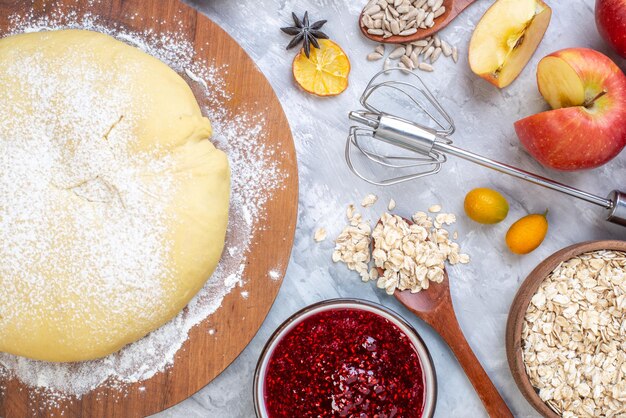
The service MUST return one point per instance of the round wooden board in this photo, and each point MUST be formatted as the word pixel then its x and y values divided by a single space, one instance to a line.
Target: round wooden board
pixel 203 356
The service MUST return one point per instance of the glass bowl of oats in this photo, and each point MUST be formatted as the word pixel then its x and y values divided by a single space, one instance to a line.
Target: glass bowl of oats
pixel 566 332
pixel 345 357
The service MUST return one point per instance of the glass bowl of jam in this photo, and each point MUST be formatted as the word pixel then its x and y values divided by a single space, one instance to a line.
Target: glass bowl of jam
pixel 345 358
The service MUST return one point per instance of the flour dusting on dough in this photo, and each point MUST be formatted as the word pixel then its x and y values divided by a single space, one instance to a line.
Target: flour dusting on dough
pixel 255 176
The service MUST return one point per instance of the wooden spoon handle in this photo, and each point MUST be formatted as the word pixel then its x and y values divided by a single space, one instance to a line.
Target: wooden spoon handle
pixel 450 330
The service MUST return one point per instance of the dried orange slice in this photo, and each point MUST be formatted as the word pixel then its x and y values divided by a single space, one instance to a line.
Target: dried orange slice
pixel 325 71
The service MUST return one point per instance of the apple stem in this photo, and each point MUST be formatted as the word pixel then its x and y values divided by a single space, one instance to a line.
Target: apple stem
pixel 590 103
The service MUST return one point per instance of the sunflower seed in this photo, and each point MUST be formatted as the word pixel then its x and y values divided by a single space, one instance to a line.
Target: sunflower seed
pixel 378 24
pixel 425 67
pixel 429 52
pixel 374 56
pixel 411 14
pixel 403 68
pixel 421 42
pixel 431 41
pixel 409 50
pixel 439 12
pixel 367 21
pixel 395 27
pixel 435 55
pixel 455 54
pixel 437 5
pixel 408 32
pixel 373 10
pixel 378 15
pixel 403 8
pixel 380 49
pixel 437 41
pixel 397 53
pixel 421 15
pixel 375 31
pixel 430 20
pixel 445 47
pixel 407 61
pixel 387 64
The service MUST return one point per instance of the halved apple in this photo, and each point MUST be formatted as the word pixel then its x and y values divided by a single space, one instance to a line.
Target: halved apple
pixel 587 127
pixel 506 37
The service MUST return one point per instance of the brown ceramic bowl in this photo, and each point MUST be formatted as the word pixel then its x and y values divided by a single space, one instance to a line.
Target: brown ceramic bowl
pixel 520 305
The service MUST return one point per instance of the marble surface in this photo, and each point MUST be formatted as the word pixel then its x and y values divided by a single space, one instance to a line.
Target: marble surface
pixel 483 290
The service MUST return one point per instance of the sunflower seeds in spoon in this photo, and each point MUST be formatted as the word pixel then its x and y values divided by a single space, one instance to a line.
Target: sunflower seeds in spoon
pixel 400 17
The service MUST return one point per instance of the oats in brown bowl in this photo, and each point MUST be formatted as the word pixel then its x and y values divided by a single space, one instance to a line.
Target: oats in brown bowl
pixel 574 336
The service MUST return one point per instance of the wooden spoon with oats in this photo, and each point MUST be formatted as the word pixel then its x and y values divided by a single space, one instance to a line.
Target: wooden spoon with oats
pixel 452 9
pixel 434 306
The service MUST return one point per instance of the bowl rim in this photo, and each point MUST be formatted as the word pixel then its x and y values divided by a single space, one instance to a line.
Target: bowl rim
pixel 520 304
pixel 428 367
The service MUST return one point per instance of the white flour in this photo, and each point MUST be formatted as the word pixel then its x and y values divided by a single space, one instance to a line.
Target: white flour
pixel 254 178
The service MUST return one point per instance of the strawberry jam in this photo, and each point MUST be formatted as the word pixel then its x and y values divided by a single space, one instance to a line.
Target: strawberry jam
pixel 344 363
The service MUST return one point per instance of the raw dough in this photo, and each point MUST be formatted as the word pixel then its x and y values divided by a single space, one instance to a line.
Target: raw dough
pixel 113 203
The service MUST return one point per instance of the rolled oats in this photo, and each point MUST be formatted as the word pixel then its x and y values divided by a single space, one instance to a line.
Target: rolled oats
pixel 410 257
pixel 574 337
pixel 352 246
pixel 369 200
pixel 320 235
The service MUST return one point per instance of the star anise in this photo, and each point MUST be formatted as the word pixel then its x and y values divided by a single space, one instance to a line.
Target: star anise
pixel 305 32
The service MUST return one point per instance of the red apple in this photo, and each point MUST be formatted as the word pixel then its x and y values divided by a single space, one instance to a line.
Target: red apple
pixel 587 127
pixel 611 23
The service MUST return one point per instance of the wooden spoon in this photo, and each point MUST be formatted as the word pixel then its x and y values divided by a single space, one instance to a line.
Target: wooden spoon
pixel 434 306
pixel 453 8
pixel 519 307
